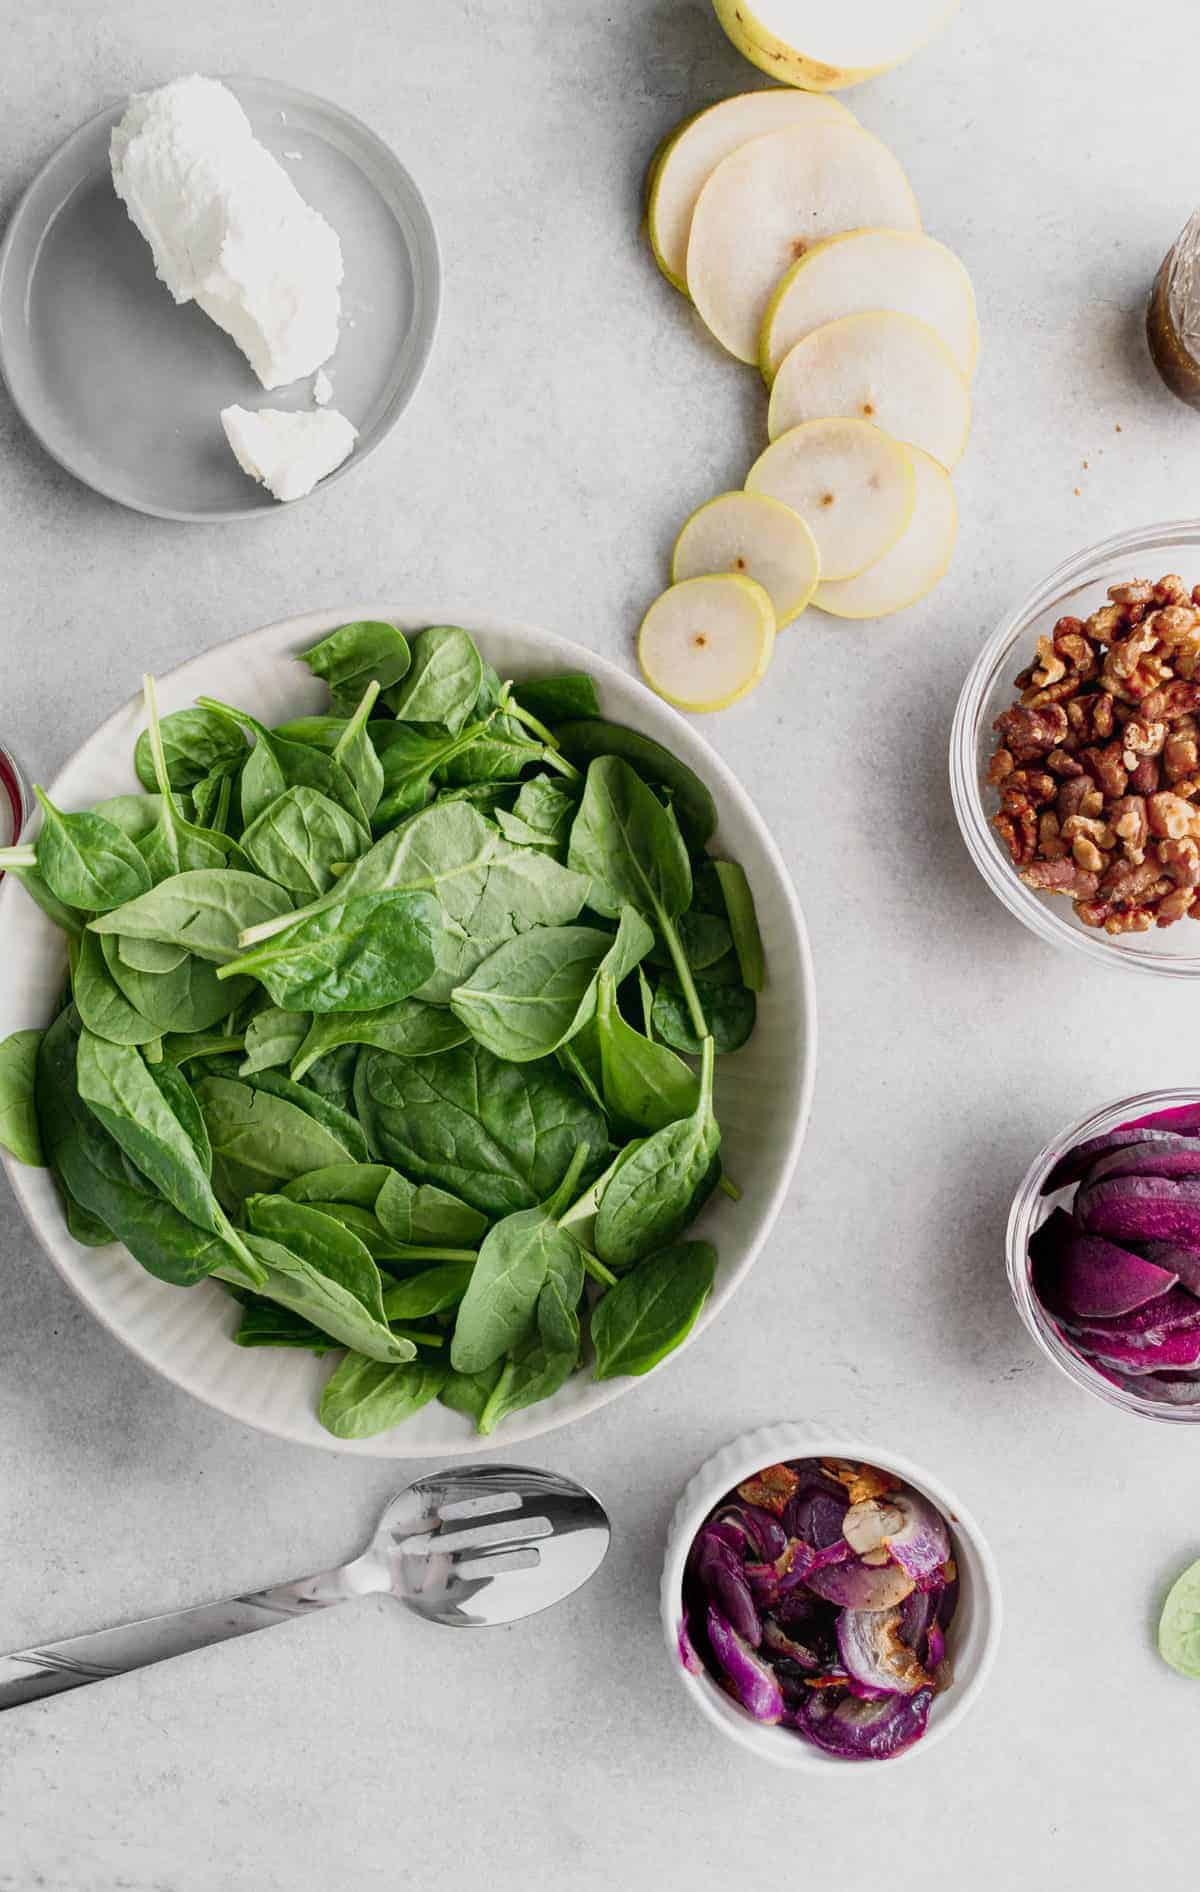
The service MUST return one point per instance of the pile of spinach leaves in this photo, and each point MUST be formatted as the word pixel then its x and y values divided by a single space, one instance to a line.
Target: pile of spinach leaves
pixel 382 1020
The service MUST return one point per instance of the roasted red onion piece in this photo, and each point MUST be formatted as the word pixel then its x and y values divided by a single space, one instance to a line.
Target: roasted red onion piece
pixel 864 1730
pixel 859 1586
pixel 724 1581
pixel 875 1653
pixel 754 1685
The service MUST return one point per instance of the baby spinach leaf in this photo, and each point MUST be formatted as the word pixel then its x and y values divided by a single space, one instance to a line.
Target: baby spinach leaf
pixel 69 919
pixel 340 1123
pixel 275 764
pixel 320 1298
pixel 204 911
pixel 258 1140
pixel 743 922
pixel 82 1226
pixel 273 1037
pixel 135 815
pixel 421 1214
pixel 541 816
pixel 705 938
pixel 264 1324
pixel 435 1291
pixel 86 861
pixel 443 683
pixel 184 1048
pixel 213 799
pixel 501 1302
pixel 361 955
pixel 538 990
pixel 409 757
pixel 187 999
pixel 332 1076
pixel 644 1084
pixel 152 1116
pixel 410 1029
pixel 582 741
pixel 324 1243
pixel 109 1187
pixel 660 1183
pixel 729 1009
pixel 631 848
pixel 498 1135
pixel 469 1392
pixel 652 1310
pixel 103 1006
pixel 560 699
pixel 196 742
pixel 489 891
pixel 149 955
pixel 355 655
pixel 297 838
pixel 358 1183
pixel 173 845
pixel 356 753
pixel 535 1375
pixel 18 1112
pixel 363 1397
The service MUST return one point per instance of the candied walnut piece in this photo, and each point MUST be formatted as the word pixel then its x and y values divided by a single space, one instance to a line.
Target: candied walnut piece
pixel 1030 733
pixel 1172 590
pixel 1000 766
pixel 1106 769
pixel 1050 845
pixel 1132 920
pixel 1138 591
pixel 1091 716
pixel 1181 860
pixel 1146 776
pixel 1173 906
pixel 1059 876
pixel 1050 668
pixel 1131 826
pixel 1079 797
pixel 1169 815
pixel 1060 762
pixel 1141 736
pixel 1027 788
pixel 1181 756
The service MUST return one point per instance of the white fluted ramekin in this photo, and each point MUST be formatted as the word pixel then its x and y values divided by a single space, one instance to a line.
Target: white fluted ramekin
pixel 971 1640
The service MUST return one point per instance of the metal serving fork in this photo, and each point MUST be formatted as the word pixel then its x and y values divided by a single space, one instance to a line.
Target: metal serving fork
pixel 478 1546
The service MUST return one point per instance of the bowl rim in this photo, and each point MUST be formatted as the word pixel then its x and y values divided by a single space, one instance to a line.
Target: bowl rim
pixel 804 1439
pixel 1039 914
pixel 669 727
pixel 1023 1219
pixel 278 92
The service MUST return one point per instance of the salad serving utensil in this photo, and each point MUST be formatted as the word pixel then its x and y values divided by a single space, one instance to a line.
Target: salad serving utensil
pixel 470 1547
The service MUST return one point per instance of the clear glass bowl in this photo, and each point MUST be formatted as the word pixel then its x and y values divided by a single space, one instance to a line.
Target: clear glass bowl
pixel 1030 1209
pixel 1076 588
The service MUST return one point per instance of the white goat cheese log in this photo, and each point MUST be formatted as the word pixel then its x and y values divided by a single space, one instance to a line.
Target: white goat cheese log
pixel 288 452
pixel 228 228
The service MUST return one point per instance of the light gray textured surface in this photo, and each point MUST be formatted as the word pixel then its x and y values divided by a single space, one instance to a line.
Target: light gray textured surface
pixel 572 416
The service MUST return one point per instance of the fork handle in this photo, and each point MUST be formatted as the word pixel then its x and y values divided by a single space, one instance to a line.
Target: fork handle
pixel 29 1674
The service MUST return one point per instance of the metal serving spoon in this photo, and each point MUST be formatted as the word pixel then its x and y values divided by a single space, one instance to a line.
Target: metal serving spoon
pixel 487 1544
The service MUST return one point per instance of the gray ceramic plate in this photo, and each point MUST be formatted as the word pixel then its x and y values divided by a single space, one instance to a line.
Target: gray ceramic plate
pixel 124 387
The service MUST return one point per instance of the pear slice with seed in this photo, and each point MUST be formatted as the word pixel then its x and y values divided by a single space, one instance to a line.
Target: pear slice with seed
pixel 759 538
pixel 767 203
pixel 914 564
pixel 862 270
pixel 882 367
pixel 706 641
pixel 852 484
pixel 688 156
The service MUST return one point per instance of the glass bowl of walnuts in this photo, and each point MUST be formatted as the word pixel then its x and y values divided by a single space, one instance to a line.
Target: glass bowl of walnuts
pixel 1075 754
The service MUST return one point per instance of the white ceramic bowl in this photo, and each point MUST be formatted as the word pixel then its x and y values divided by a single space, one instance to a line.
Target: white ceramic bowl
pixel 763 1093
pixel 971 1639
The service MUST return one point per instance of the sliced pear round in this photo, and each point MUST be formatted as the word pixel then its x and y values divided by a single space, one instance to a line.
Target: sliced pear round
pixel 706 641
pixel 882 367
pixel 914 564
pixel 852 484
pixel 864 270
pixel 768 202
pixel 689 155
pixel 822 44
pixel 757 537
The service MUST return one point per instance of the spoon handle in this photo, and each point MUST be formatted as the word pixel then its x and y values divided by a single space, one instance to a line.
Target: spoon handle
pixel 30 1674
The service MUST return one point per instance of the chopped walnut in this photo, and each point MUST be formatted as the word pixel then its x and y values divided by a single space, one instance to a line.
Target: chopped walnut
pixel 1098 764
